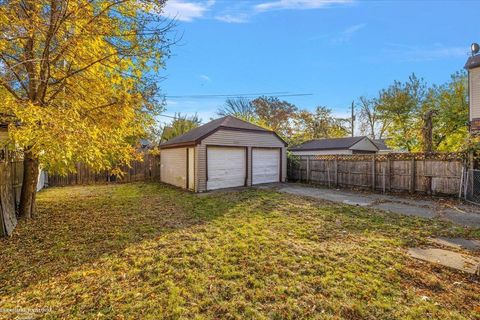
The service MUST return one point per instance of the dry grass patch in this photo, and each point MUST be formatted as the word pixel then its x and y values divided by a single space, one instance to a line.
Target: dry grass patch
pixel 149 251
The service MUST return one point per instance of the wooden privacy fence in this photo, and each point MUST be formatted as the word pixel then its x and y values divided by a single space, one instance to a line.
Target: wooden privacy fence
pixel 433 173
pixel 11 175
pixel 146 170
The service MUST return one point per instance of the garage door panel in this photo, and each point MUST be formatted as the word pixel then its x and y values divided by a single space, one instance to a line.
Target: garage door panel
pixel 265 165
pixel 226 167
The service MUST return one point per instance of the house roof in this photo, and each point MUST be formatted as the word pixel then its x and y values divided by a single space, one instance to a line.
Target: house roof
pixel 194 136
pixel 473 62
pixel 328 144
pixel 381 144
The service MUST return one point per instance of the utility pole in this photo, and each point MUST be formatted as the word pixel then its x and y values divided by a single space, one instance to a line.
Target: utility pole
pixel 353 118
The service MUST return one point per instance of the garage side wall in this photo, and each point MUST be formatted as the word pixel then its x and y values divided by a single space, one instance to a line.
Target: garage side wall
pixel 239 139
pixel 173 164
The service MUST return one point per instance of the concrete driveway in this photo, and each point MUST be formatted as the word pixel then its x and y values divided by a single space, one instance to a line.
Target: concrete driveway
pixel 453 211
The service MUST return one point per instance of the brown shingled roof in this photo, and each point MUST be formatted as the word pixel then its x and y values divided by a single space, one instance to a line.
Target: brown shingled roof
pixel 328 144
pixel 194 136
pixel 381 144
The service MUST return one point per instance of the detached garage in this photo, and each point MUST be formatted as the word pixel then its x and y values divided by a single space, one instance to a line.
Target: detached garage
pixel 224 153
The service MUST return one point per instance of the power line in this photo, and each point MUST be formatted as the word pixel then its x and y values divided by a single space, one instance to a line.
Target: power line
pixel 174 118
pixel 164 115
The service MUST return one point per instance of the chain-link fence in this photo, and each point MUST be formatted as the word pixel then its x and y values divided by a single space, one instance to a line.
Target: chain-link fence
pixel 472 185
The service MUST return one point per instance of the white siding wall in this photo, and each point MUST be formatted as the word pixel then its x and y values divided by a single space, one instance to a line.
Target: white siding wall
pixel 474 93
pixel 42 179
pixel 236 138
pixel 173 166
pixel 321 152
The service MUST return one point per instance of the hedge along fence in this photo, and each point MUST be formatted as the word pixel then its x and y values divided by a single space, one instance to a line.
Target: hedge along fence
pixel 146 170
pixel 432 173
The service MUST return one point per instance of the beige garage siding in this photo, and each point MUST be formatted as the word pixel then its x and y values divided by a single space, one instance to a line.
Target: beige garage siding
pixel 236 138
pixel 173 166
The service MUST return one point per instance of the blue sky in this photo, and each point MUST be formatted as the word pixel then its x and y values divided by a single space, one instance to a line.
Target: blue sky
pixel 336 50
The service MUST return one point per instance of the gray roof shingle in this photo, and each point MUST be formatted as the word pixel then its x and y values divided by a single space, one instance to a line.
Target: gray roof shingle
pixel 381 144
pixel 327 144
pixel 197 134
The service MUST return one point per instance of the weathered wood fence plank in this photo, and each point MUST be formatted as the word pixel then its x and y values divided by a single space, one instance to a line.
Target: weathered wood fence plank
pixel 437 173
pixel 11 174
pixel 146 170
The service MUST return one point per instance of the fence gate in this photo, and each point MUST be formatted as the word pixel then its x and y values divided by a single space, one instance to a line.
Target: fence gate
pixel 472 185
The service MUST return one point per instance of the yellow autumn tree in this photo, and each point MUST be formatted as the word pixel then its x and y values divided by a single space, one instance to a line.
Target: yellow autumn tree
pixel 79 82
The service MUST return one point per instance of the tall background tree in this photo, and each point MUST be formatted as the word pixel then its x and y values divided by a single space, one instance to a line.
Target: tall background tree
pixel 450 103
pixel 372 123
pixel 181 124
pixel 267 112
pixel 79 81
pixel 402 103
pixel 292 124
pixel 317 125
pixel 276 114
pixel 241 108
pixel 417 117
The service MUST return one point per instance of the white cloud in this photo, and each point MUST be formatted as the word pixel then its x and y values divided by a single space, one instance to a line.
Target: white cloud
pixel 402 52
pixel 186 10
pixel 228 18
pixel 171 102
pixel 205 78
pixel 355 28
pixel 347 34
pixel 298 4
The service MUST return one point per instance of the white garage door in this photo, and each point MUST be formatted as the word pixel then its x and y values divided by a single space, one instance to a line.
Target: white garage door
pixel 226 167
pixel 265 165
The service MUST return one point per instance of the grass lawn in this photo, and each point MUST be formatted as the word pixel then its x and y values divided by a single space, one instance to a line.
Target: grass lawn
pixel 148 251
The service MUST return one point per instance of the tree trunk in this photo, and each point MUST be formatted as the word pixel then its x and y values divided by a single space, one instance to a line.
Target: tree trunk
pixel 428 130
pixel 29 187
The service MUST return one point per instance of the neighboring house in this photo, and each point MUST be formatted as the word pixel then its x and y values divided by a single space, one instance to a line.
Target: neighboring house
pixel 382 146
pixel 350 145
pixel 226 152
pixel 473 67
